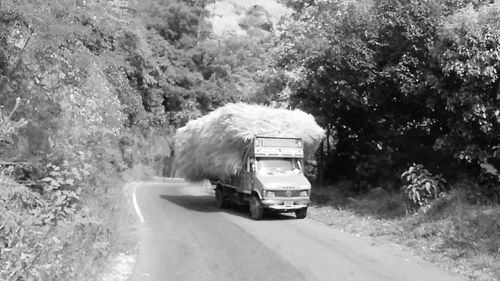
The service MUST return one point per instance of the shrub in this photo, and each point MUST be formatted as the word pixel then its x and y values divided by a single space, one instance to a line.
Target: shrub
pixel 54 236
pixel 421 185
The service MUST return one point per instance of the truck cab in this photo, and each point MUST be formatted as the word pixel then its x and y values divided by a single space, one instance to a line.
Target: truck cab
pixel 271 178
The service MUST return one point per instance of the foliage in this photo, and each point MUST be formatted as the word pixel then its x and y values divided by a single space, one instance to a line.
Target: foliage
pixel 8 127
pixel 99 87
pixel 103 86
pixel 398 81
pixel 453 232
pixel 55 57
pixel 468 48
pixel 49 237
pixel 421 186
pixel 64 178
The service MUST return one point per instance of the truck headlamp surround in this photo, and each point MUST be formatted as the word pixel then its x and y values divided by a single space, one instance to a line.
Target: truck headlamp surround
pixel 270 193
pixel 304 193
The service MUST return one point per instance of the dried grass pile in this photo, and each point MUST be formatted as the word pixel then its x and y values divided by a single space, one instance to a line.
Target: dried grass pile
pixel 211 147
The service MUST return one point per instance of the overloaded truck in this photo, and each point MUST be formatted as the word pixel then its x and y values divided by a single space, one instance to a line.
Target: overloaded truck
pixel 271 178
pixel 253 155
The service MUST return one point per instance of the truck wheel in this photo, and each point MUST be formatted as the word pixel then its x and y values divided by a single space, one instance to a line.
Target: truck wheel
pixel 220 202
pixel 301 213
pixel 256 209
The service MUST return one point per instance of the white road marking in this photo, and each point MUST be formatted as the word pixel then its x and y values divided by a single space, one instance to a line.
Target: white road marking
pixel 136 206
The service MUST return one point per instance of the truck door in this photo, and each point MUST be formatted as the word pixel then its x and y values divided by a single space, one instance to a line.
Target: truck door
pixel 247 176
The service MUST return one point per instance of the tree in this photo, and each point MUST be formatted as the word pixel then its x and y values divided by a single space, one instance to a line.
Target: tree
pixel 382 77
pixel 468 49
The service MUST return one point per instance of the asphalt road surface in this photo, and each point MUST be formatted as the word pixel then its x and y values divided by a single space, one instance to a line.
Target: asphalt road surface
pixel 185 237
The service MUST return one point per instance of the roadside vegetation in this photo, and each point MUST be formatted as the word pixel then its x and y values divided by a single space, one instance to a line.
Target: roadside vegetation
pixel 454 232
pixel 91 93
pixel 408 93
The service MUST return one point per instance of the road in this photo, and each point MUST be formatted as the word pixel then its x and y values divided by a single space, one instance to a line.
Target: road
pixel 184 237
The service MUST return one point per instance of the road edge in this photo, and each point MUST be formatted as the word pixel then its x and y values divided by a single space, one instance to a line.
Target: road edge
pixel 122 264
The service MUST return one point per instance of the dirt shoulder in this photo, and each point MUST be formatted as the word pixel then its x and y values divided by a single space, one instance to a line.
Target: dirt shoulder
pixel 457 236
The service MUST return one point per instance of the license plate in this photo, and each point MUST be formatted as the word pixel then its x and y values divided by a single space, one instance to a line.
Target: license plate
pixel 288 203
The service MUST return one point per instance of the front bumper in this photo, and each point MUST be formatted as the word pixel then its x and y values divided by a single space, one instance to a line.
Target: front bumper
pixel 286 204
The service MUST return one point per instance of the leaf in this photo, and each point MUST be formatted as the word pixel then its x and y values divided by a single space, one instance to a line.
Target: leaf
pixel 428 187
pixel 55 184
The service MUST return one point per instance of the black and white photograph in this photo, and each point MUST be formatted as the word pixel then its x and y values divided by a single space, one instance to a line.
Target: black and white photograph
pixel 249 140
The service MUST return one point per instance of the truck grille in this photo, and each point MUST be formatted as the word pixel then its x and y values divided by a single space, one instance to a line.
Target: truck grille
pixel 287 193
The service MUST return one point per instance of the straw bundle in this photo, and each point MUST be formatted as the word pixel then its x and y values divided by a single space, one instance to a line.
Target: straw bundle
pixel 212 147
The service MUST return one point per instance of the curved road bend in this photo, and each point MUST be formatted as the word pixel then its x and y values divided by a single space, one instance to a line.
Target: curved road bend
pixel 185 237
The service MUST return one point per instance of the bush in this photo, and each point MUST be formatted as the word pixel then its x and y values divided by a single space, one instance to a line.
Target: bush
pixel 378 202
pixel 54 236
pixel 421 186
pixel 457 225
pixel 335 195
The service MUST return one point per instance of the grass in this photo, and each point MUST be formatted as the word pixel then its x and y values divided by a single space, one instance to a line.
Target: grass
pixel 121 222
pixel 453 233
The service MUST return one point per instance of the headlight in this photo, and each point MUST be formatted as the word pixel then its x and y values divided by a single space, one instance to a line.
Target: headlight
pixel 270 194
pixel 303 193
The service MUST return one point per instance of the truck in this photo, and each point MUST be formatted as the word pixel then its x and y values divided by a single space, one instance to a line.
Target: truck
pixel 271 178
pixel 252 154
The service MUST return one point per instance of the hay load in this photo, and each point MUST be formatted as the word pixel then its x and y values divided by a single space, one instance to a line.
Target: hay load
pixel 212 147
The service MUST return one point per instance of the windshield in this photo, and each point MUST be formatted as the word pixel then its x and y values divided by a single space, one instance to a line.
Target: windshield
pixel 278 165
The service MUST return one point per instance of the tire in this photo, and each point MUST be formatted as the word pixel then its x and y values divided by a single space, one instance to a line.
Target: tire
pixel 220 202
pixel 256 209
pixel 301 213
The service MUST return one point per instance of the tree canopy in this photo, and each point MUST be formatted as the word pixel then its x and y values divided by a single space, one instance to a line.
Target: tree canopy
pixel 398 82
